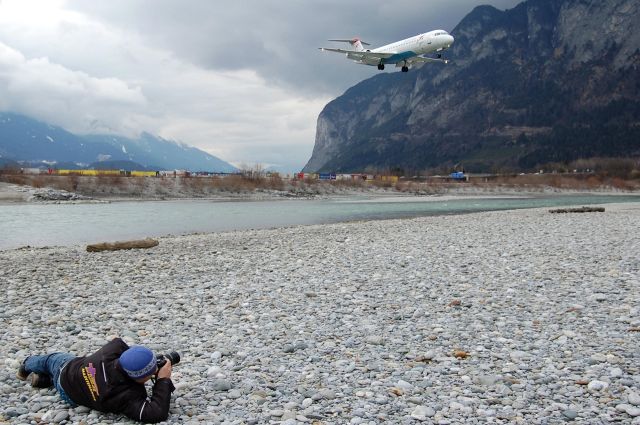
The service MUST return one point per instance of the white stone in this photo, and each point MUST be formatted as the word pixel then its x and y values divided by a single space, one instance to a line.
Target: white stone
pixel 214 372
pixel 404 385
pixel 622 407
pixel 615 372
pixel 422 413
pixel 596 385
pixel 633 411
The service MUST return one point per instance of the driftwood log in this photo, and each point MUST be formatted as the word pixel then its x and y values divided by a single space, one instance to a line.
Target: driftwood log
pixel 577 210
pixel 115 246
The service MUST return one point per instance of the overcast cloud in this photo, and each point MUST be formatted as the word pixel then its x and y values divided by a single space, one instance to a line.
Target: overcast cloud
pixel 241 80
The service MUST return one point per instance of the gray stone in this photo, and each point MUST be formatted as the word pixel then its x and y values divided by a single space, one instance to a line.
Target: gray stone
pixel 221 385
pixel 596 385
pixel 61 416
pixel 234 394
pixel 375 340
pixel 422 413
pixel 276 413
pixel 82 410
pixel 327 394
pixel 633 411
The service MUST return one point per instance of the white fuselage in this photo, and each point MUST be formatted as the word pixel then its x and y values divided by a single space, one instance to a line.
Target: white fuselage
pixel 403 50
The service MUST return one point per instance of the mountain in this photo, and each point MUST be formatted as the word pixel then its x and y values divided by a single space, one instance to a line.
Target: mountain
pixel 27 140
pixel 8 163
pixel 546 81
pixel 158 153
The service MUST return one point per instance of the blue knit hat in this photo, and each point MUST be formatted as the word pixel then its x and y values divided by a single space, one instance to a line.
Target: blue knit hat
pixel 138 362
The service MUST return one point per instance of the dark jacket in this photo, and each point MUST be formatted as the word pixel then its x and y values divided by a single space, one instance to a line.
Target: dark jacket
pixel 98 382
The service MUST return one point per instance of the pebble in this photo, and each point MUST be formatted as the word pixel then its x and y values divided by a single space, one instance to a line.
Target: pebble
pixel 350 322
pixel 422 413
pixel 615 372
pixel 234 394
pixel 596 385
pixel 375 340
pixel 221 385
pixel 60 416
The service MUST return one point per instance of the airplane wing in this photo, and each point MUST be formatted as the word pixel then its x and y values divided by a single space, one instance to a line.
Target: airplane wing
pixel 336 50
pixel 423 59
pixel 359 55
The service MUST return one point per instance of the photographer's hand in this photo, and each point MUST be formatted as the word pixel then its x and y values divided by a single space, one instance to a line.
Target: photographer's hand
pixel 165 371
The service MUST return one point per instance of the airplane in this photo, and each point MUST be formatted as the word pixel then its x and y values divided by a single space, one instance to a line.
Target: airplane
pixel 402 53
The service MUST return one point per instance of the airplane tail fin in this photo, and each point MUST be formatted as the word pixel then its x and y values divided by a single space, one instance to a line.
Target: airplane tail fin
pixel 355 42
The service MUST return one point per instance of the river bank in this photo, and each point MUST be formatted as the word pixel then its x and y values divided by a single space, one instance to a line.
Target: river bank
pixel 500 317
pixel 157 189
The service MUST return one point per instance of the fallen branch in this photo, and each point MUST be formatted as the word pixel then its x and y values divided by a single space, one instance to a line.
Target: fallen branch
pixel 115 246
pixel 577 210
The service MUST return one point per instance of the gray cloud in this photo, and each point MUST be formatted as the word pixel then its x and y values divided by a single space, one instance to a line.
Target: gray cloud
pixel 39 87
pixel 243 81
pixel 278 39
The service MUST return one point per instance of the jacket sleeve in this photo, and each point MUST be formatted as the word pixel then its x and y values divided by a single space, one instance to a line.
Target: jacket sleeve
pixel 153 409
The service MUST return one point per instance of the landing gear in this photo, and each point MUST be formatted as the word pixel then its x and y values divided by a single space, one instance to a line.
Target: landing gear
pixel 439 56
pixel 381 66
pixel 405 69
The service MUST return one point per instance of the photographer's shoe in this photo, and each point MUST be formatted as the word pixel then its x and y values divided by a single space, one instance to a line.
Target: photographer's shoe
pixel 41 381
pixel 22 373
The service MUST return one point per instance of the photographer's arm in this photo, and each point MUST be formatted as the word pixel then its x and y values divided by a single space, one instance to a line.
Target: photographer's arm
pixel 156 408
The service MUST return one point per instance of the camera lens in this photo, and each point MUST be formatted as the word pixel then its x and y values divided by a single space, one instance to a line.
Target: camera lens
pixel 173 357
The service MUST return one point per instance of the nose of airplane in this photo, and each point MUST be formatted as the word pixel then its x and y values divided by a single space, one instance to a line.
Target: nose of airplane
pixel 450 40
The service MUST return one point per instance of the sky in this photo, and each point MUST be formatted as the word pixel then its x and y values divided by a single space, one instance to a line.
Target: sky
pixel 241 80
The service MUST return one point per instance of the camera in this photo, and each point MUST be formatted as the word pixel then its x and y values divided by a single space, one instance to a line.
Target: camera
pixel 172 357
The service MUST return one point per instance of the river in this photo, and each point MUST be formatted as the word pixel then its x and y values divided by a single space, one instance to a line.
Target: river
pixel 39 225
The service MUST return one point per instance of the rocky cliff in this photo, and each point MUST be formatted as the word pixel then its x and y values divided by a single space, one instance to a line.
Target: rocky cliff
pixel 549 80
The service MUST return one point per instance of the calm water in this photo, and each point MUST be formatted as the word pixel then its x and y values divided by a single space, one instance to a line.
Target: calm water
pixel 49 225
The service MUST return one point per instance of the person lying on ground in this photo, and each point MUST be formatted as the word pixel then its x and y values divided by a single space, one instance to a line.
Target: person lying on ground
pixel 110 380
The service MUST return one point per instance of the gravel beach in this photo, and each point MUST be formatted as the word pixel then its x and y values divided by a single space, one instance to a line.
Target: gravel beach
pixel 502 317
